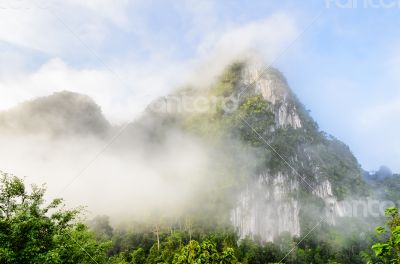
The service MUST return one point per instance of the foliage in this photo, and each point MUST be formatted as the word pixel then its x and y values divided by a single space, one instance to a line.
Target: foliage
pixel 253 120
pixel 31 232
pixel 228 81
pixel 176 247
pixel 206 252
pixel 250 251
pixel 340 166
pixel 101 226
pixel 389 251
pixel 324 244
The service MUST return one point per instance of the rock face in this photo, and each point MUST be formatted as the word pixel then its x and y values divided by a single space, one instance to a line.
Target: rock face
pixel 265 210
pixel 274 88
pixel 270 204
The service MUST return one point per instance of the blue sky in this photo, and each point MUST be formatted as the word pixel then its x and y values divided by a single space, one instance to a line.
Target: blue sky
pixel 345 67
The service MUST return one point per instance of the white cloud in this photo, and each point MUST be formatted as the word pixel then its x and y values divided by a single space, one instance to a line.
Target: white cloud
pixel 114 11
pixel 123 94
pixel 270 36
pixel 54 27
pixel 27 28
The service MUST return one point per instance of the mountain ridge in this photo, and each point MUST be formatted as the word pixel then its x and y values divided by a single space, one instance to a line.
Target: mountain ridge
pixel 292 162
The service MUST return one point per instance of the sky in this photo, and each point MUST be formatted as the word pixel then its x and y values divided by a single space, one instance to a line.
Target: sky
pixel 341 58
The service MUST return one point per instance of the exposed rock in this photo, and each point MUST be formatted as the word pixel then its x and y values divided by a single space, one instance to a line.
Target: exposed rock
pixel 272 85
pixel 265 210
pixel 269 205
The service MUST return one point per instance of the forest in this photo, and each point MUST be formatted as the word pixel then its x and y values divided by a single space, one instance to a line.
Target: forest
pixel 33 231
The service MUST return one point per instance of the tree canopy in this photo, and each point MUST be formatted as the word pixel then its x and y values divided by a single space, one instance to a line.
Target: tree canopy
pixel 33 232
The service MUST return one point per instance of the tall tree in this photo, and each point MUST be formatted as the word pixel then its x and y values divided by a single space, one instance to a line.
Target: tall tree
pixel 389 251
pixel 31 232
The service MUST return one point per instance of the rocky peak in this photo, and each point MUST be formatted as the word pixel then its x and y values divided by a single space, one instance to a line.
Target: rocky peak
pixel 272 85
pixel 281 196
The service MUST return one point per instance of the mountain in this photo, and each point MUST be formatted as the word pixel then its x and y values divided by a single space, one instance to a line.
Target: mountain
pixel 305 165
pixel 270 169
pixel 297 173
pixel 386 185
pixel 60 114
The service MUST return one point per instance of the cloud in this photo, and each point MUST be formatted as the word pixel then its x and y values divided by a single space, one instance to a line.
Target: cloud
pixel 53 27
pixel 122 92
pixel 262 35
pixel 260 38
pixel 26 28
pixel 113 11
pixel 125 85
pixel 122 86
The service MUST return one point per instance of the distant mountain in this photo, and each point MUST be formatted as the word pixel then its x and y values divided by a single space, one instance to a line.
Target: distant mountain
pixel 381 174
pixel 60 114
pixel 386 185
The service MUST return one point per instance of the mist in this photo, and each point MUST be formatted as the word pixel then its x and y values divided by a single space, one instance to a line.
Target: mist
pixel 128 172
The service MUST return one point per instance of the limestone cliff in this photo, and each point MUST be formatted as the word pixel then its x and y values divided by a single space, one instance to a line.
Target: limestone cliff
pixel 272 201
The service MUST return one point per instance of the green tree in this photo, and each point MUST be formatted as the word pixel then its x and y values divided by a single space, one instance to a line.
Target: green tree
pixel 31 232
pixel 138 256
pixel 389 251
pixel 101 227
pixel 204 253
